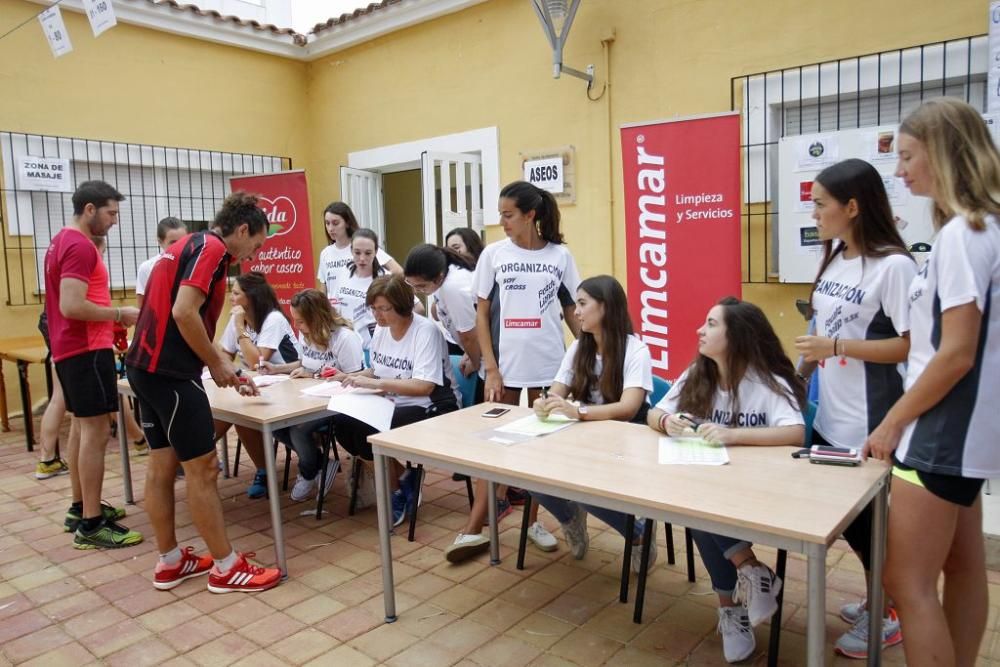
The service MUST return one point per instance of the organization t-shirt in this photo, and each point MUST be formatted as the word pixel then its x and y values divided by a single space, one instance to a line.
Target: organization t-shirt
pixel 431 310
pixel 959 435
pixel 333 263
pixel 197 260
pixel 860 299
pixel 142 273
pixel 456 303
pixel 759 405
pixel 72 254
pixel 352 294
pixel 637 370
pixel 275 334
pixel 527 290
pixel 344 352
pixel 421 354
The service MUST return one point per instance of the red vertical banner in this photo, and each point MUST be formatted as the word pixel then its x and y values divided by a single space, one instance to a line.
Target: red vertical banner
pixel 682 229
pixel 286 258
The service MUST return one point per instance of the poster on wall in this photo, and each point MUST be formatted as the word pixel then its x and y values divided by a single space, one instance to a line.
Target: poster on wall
pixel 286 258
pixel 682 229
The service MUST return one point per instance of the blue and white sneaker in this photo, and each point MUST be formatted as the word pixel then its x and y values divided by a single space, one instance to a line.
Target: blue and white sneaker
pixel 399 506
pixel 258 488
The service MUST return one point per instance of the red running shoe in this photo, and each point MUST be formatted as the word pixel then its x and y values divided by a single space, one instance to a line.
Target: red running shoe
pixel 167 576
pixel 245 577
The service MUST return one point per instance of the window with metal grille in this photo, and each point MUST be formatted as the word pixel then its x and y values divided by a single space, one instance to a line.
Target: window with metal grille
pixel 157 181
pixel 862 91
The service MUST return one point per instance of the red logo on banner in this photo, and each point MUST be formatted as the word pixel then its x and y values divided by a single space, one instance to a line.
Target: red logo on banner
pixel 522 323
pixel 805 191
pixel 280 215
pixel 286 258
pixel 682 230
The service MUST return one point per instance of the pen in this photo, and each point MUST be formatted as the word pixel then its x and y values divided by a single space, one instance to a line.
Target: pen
pixel 545 392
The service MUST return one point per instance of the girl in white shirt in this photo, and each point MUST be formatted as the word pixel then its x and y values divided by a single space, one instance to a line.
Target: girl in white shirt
pixel 942 434
pixel 861 305
pixel 353 289
pixel 608 372
pixel 340 225
pixel 329 343
pixel 741 389
pixel 410 364
pixel 257 331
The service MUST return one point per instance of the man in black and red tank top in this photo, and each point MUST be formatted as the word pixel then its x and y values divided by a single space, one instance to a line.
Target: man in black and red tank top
pixel 171 344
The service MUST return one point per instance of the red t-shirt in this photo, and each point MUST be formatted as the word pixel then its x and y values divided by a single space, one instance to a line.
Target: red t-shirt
pixel 199 260
pixel 72 254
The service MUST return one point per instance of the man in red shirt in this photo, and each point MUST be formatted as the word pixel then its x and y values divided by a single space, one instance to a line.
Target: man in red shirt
pixel 81 321
pixel 172 342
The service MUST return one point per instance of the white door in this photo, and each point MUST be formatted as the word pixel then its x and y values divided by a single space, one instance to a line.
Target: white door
pixel 362 191
pixel 448 172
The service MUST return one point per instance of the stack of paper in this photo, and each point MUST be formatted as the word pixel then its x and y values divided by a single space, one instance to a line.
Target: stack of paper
pixel 533 426
pixel 691 451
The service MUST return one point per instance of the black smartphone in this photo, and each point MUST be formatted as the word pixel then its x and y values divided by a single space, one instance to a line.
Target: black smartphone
pixel 805 308
pixel 493 413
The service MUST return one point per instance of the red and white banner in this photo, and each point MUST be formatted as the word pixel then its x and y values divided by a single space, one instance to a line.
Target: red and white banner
pixel 286 258
pixel 682 229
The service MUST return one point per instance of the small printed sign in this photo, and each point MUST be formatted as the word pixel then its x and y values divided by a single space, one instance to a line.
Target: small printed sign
pixel 55 31
pixel 101 15
pixel 805 202
pixel 809 237
pixel 547 174
pixel 49 174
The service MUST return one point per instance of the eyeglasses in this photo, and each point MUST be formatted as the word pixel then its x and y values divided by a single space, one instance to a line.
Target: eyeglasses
pixel 419 286
pixel 381 309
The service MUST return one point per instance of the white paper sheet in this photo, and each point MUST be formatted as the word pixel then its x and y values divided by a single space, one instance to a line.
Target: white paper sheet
pixel 268 380
pixel 691 451
pixel 334 388
pixel 376 411
pixel 533 426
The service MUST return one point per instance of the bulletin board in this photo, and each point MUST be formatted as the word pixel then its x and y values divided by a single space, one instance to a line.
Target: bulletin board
pixel 801 157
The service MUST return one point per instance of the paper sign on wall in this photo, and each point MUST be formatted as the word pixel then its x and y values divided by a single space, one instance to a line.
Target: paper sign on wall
pixel 101 15
pixel 55 31
pixel 49 174
pixel 546 174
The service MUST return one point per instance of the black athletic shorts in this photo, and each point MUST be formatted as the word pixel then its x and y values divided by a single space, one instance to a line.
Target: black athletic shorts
pixel 951 488
pixel 88 382
pixel 175 413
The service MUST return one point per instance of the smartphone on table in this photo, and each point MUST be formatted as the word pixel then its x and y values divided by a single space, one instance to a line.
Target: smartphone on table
pixel 493 413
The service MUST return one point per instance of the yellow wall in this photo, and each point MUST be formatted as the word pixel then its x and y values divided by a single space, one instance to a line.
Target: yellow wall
pixel 490 65
pixel 143 86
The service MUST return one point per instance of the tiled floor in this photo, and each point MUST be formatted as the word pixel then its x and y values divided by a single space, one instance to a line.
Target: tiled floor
pixel 61 606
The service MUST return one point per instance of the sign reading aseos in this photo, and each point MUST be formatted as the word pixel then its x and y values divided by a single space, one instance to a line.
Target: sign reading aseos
pixel 547 174
pixel 51 174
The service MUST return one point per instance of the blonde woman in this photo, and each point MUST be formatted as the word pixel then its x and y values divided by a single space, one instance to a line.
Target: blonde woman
pixel 942 434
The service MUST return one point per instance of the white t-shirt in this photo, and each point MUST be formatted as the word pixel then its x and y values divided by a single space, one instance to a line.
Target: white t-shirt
pixel 456 303
pixel 431 301
pixel 344 352
pixel 531 287
pixel 333 263
pixel 275 334
pixel 959 435
pixel 759 405
pixel 421 355
pixel 142 273
pixel 637 371
pixel 860 300
pixel 351 298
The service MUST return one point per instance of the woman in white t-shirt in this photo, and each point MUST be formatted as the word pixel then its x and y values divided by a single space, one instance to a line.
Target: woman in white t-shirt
pixel 329 347
pixel 257 331
pixel 862 312
pixel 352 290
pixel 942 434
pixel 447 276
pixel 334 260
pixel 741 389
pixel 410 365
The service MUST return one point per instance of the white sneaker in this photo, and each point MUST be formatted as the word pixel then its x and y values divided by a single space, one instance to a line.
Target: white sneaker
pixel 637 554
pixel 757 587
pixel 466 546
pixel 303 488
pixel 366 487
pixel 542 538
pixel 332 467
pixel 738 641
pixel 576 533
pixel 854 642
pixel 851 611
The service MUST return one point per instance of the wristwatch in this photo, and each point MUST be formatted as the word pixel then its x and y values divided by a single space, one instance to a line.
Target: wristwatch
pixel 582 411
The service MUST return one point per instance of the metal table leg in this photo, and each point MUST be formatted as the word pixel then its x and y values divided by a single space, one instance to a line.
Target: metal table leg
pixel 880 506
pixel 816 617
pixel 491 498
pixel 29 420
pixel 384 526
pixel 123 450
pixel 274 500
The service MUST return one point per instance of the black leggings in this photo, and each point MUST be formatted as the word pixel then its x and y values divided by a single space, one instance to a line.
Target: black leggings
pixel 352 434
pixel 859 533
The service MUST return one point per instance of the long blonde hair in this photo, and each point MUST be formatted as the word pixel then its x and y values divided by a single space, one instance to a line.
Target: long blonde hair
pixel 321 318
pixel 963 159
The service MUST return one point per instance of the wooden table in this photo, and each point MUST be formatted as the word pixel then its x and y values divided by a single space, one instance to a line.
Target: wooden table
pixel 763 495
pixel 23 351
pixel 279 406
